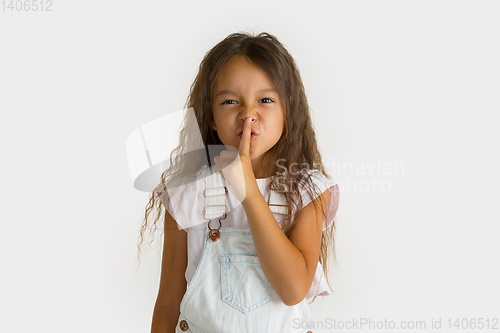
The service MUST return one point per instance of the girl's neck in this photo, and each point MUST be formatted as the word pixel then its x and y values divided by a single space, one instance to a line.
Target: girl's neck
pixel 266 171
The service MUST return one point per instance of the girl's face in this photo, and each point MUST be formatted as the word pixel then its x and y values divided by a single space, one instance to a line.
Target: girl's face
pixel 243 90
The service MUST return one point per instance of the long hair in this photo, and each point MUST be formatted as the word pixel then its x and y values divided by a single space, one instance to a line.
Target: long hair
pixel 297 145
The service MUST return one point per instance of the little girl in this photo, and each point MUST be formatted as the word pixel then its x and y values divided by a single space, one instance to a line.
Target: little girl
pixel 246 218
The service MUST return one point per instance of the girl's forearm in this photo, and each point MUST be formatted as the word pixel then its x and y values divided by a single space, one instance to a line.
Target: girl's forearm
pixel 283 264
pixel 164 319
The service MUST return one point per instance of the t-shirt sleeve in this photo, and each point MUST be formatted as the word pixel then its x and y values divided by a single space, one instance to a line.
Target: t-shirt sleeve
pixel 323 184
pixel 172 203
pixel 182 200
pixel 319 286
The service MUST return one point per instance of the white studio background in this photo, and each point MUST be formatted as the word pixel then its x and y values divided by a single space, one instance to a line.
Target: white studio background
pixel 403 91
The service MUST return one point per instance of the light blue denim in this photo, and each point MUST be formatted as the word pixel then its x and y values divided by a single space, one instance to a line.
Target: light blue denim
pixel 230 292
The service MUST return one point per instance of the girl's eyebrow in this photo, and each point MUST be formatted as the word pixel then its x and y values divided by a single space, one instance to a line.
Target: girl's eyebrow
pixel 230 92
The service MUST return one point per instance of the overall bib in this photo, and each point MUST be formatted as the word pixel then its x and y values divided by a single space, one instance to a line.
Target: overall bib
pixel 229 291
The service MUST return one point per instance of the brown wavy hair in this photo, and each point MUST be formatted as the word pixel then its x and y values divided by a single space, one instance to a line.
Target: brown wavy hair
pixel 296 145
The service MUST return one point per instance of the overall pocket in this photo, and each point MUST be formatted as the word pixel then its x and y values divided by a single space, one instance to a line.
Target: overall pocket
pixel 243 282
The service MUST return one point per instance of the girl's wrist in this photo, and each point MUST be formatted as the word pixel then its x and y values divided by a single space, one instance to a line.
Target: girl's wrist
pixel 252 189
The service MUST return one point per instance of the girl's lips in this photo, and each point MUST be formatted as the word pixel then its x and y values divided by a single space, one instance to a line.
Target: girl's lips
pixel 252 137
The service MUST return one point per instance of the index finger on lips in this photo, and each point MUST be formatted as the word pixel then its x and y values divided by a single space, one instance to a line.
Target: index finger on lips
pixel 246 137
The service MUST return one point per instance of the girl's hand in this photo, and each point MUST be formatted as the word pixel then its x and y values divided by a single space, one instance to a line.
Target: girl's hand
pixel 236 166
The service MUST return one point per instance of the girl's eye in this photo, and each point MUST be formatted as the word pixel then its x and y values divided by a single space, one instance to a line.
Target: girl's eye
pixel 266 98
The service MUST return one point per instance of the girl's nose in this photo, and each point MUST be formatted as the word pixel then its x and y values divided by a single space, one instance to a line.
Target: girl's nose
pixel 242 119
pixel 248 112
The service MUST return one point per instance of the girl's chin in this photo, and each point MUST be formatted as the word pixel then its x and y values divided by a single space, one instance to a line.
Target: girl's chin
pixel 255 156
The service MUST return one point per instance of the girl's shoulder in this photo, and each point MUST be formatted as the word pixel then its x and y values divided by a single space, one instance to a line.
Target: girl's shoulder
pixel 318 184
pixel 182 197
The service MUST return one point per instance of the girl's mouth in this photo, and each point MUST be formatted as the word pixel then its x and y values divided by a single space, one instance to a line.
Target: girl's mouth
pixel 252 137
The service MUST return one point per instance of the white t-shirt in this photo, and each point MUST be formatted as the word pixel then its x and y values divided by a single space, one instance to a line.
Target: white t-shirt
pixel 189 207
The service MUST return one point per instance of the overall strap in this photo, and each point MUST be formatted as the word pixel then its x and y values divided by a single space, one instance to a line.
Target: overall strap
pixel 277 201
pixel 215 194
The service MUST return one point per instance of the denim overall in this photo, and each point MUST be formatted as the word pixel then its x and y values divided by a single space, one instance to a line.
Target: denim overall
pixel 229 291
